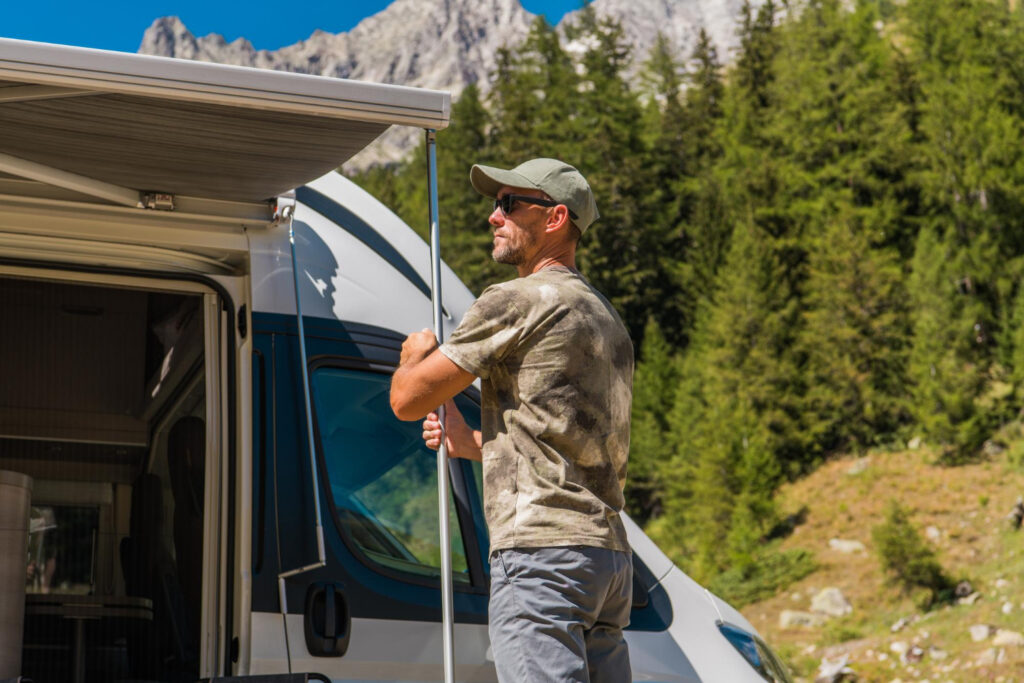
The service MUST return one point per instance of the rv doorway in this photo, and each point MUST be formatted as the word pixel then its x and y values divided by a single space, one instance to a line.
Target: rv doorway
pixel 111 403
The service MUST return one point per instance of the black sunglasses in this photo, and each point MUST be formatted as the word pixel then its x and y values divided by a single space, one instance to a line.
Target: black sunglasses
pixel 508 202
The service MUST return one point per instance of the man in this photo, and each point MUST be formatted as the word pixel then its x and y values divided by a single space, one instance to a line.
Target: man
pixel 556 365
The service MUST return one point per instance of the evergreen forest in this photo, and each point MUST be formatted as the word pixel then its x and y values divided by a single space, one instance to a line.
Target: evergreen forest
pixel 817 249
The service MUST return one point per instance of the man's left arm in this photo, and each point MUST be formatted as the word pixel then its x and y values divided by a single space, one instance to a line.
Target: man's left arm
pixel 425 378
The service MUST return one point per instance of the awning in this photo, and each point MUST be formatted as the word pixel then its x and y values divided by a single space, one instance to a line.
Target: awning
pixel 109 121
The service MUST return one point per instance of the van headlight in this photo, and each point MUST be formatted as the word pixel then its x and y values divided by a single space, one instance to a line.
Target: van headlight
pixel 756 652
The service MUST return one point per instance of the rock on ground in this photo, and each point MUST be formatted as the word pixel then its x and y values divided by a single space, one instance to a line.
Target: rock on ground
pixel 835 671
pixel 993 655
pixel 970 599
pixel 1006 637
pixel 795 619
pixel 980 632
pixel 913 655
pixel 846 546
pixel 859 465
pixel 832 602
pixel 903 622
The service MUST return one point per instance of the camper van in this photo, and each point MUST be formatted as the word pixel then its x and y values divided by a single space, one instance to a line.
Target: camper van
pixel 200 474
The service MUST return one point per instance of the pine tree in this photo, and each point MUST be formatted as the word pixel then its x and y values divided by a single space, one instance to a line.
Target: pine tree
pixel 621 253
pixel 855 339
pixel 1015 351
pixel 733 423
pixel 535 101
pixel 382 182
pixel 754 72
pixel 730 423
pixel 704 100
pixel 847 150
pixel 946 385
pixel 654 388
pixel 817 248
pixel 668 161
pixel 468 242
pixel 967 53
pixel 693 205
pixel 746 171
pixel 673 529
pixel 707 224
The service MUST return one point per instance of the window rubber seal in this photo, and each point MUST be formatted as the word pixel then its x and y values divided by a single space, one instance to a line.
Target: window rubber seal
pixel 478 583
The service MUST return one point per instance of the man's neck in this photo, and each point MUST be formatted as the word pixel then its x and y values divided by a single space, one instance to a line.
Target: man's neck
pixel 568 260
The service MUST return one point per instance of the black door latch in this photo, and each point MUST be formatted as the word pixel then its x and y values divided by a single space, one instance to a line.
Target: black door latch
pixel 327 619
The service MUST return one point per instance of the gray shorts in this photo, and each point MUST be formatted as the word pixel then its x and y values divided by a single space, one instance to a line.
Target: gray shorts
pixel 557 614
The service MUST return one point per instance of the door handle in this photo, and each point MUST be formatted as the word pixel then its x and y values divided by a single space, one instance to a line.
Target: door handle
pixel 327 620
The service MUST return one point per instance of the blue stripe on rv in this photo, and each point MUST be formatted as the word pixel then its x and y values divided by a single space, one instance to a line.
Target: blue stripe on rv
pixel 362 231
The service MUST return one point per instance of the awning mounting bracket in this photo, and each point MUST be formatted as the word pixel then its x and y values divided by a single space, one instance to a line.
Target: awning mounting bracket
pixel 158 201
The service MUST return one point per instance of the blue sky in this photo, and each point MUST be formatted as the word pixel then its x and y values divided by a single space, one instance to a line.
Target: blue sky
pixel 119 24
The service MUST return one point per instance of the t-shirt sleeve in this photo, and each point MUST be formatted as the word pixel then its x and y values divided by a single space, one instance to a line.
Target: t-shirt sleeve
pixel 490 330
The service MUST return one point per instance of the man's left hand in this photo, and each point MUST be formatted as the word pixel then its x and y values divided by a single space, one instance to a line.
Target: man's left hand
pixel 418 346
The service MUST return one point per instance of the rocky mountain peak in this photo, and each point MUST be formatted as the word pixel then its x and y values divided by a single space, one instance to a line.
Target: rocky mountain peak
pixel 168 36
pixel 427 43
pixel 680 21
pixel 443 44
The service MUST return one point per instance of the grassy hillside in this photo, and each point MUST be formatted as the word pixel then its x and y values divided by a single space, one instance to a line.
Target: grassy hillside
pixel 967 508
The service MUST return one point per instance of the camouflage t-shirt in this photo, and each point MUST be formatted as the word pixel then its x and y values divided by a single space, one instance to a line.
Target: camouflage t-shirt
pixel 556 366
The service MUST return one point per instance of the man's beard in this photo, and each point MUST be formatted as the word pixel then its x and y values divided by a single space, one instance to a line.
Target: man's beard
pixel 509 255
pixel 514 254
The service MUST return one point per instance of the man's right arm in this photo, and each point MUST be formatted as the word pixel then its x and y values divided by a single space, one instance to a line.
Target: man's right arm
pixel 460 439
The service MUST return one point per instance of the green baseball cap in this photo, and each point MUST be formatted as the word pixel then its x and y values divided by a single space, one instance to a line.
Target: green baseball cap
pixel 555 178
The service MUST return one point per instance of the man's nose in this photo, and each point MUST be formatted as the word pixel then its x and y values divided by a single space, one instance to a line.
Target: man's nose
pixel 497 217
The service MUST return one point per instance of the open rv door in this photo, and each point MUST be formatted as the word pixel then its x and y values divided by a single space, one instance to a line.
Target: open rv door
pixel 141 181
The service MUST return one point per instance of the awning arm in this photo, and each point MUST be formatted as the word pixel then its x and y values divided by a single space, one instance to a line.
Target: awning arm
pixel 23 168
pixel 27 93
pixel 447 609
pixel 284 212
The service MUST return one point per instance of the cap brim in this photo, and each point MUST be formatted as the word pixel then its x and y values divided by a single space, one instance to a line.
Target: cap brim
pixel 488 180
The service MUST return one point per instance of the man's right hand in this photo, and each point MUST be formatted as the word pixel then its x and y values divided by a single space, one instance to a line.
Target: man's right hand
pixel 461 441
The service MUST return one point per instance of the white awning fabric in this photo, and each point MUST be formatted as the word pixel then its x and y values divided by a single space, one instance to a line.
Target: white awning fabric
pixel 212 131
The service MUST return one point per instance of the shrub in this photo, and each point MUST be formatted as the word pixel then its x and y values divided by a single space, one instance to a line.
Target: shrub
pixel 1015 454
pixel 908 560
pixel 841 631
pixel 769 572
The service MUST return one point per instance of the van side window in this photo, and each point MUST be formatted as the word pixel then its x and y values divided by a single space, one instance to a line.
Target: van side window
pixel 382 479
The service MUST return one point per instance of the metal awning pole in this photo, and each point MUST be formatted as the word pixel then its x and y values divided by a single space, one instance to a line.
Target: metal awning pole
pixel 447 617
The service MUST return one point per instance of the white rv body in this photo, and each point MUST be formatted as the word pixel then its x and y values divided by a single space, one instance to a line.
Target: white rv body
pixel 155 237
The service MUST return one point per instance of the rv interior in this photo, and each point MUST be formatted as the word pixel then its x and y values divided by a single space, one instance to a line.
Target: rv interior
pixel 103 406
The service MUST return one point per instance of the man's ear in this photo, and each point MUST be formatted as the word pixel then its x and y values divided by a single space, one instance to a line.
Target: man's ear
pixel 558 219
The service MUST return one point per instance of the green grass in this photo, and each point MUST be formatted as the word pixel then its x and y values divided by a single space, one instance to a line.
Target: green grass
pixel 968 505
pixel 843 630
